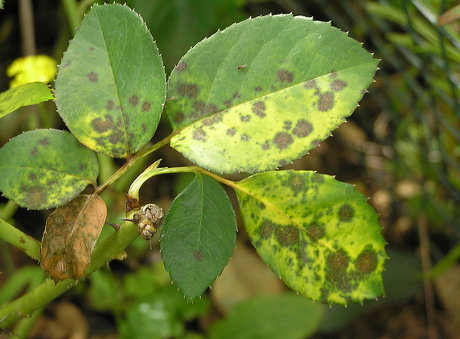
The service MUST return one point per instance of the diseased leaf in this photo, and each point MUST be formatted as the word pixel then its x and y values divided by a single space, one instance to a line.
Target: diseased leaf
pixel 273 86
pixel 110 87
pixel 198 235
pixel 71 232
pixel 271 316
pixel 45 168
pixel 24 95
pixel 318 234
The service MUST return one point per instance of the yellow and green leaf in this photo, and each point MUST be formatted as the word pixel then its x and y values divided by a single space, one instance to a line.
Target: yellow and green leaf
pixel 263 92
pixel 45 168
pixel 23 95
pixel 318 234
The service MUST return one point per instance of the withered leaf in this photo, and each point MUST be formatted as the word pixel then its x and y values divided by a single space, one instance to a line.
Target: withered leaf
pixel 71 232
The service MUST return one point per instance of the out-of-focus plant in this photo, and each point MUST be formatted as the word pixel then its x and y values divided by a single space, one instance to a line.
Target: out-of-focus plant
pixel 32 68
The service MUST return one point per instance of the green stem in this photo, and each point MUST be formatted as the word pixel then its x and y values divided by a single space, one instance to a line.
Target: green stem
pixel 131 163
pixel 105 251
pixel 32 301
pixel 8 210
pixel 22 241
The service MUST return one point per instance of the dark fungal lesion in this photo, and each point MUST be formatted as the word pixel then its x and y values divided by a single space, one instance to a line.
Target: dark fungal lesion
pixel 338 85
pixel 346 213
pixel 259 108
pixel 102 125
pixel 303 128
pixel 134 100
pixel 44 141
pixel 367 260
pixel 326 101
pixel 337 263
pixel 146 106
pixel 188 90
pixel 282 140
pixel 231 131
pixel 93 77
pixel 285 76
pixel 181 66
pixel 199 134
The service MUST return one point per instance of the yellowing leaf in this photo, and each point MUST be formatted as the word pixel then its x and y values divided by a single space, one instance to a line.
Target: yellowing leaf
pixel 318 234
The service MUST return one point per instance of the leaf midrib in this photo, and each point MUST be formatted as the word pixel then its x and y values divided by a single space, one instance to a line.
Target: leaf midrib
pixel 122 113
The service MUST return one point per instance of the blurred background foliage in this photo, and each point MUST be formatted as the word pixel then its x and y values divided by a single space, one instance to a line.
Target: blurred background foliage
pixel 401 148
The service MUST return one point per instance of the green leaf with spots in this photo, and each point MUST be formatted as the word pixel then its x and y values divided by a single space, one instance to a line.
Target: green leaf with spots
pixel 45 168
pixel 263 92
pixel 198 235
pixel 110 87
pixel 24 95
pixel 318 234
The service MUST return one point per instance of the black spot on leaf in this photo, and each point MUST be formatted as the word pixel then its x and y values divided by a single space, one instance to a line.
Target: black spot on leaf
pixel 346 213
pixel 44 141
pixel 134 100
pixel 245 137
pixel 198 255
pixel 231 131
pixel 285 76
pixel 367 261
pixel 266 145
pixel 187 90
pixel 310 83
pixel 302 128
pixel 181 66
pixel 266 228
pixel 116 136
pixel 110 105
pixel 287 125
pixel 315 231
pixel 297 183
pixel 326 101
pixel 92 77
pixel 259 109
pixel 282 140
pixel 245 118
pixel 287 235
pixel 199 134
pixel 336 271
pixel 146 106
pixel 102 125
pixel 338 85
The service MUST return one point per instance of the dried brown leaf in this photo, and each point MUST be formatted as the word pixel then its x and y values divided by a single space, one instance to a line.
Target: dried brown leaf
pixel 70 235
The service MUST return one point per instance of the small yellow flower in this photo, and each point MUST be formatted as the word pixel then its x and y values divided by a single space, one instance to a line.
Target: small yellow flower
pixel 31 68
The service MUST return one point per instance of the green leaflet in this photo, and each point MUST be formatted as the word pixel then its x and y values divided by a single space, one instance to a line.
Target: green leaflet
pixel 24 95
pixel 270 316
pixel 42 169
pixel 318 234
pixel 263 92
pixel 198 235
pixel 110 86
